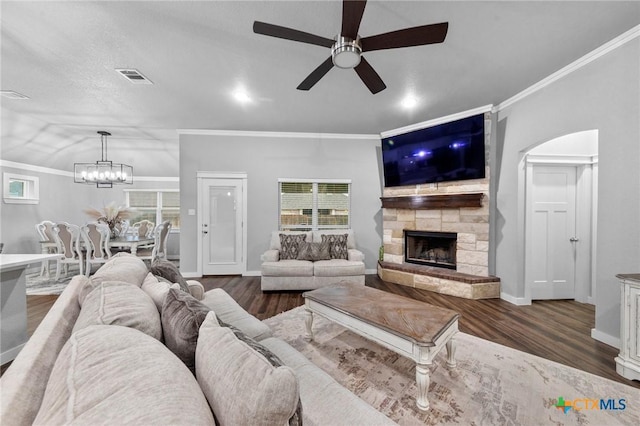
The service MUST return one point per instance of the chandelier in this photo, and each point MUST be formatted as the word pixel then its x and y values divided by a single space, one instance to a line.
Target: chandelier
pixel 103 173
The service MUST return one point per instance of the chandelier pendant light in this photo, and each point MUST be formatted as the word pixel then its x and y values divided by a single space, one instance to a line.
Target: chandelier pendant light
pixel 103 173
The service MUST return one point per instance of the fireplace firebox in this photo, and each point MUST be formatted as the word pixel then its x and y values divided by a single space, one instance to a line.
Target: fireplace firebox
pixel 430 248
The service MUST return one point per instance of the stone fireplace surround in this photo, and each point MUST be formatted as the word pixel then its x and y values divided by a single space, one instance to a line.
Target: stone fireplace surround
pixel 442 210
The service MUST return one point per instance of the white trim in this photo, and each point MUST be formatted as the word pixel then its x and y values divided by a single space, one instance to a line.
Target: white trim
pixel 221 175
pixel 252 274
pixel 605 338
pixel 306 180
pixel 574 66
pixel 519 301
pixel 31 193
pixel 436 121
pixel 151 190
pixel 562 159
pixel 260 134
pixel 190 274
pixel 371 272
pixel 58 172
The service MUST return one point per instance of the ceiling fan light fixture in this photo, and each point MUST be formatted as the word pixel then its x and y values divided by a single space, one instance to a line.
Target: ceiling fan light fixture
pixel 345 53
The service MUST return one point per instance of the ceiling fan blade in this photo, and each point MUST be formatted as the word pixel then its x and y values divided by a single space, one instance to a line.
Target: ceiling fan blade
pixel 316 75
pixel 290 34
pixel 369 76
pixel 415 36
pixel 352 11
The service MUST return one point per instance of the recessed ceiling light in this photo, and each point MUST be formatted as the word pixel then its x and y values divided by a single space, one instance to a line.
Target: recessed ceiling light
pixel 133 75
pixel 241 96
pixel 10 94
pixel 409 102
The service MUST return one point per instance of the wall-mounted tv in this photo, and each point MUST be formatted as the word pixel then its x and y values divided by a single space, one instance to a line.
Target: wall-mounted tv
pixel 445 152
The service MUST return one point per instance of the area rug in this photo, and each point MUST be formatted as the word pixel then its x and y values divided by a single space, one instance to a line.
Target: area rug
pixel 42 285
pixel 491 385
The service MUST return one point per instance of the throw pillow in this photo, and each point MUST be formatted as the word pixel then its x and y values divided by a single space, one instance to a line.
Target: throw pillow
pixel 337 245
pixel 170 271
pixel 119 376
pixel 181 317
pixel 314 251
pixel 243 384
pixel 289 245
pixel 157 288
pixel 120 303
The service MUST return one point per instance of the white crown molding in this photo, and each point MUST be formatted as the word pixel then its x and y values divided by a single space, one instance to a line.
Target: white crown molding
pixel 65 173
pixel 574 66
pixel 256 134
pixel 436 121
pixel 561 159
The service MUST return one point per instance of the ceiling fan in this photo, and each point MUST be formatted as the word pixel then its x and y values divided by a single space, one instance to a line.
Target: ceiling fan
pixel 348 46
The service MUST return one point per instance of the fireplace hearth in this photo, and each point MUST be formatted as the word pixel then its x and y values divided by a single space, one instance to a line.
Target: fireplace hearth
pixel 431 248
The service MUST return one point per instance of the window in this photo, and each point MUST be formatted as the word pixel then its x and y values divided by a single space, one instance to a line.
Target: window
pixel 21 189
pixel 154 205
pixel 311 205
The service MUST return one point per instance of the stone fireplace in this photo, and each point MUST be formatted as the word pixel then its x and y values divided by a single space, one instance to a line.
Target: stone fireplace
pixel 431 248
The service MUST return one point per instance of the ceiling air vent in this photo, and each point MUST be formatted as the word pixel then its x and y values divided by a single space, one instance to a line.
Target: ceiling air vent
pixel 10 94
pixel 134 76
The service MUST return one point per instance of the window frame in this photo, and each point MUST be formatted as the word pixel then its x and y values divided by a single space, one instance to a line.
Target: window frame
pixel 31 194
pixel 314 209
pixel 159 206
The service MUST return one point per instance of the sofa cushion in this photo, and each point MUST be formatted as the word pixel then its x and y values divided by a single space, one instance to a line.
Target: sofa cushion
pixel 274 244
pixel 117 375
pixel 156 288
pixel 337 268
pixel 337 245
pixel 241 384
pixel 230 312
pixel 182 315
pixel 314 251
pixel 290 245
pixel 121 267
pixel 120 303
pixel 169 270
pixel 351 239
pixel 287 268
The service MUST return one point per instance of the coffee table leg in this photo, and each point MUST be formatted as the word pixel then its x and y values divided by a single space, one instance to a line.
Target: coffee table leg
pixel 451 353
pixel 308 320
pixel 422 380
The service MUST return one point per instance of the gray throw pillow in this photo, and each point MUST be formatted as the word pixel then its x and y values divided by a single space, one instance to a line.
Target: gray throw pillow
pixel 168 270
pixel 289 245
pixel 314 251
pixel 337 245
pixel 181 317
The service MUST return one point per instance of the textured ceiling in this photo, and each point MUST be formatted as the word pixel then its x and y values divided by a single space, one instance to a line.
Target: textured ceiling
pixel 63 55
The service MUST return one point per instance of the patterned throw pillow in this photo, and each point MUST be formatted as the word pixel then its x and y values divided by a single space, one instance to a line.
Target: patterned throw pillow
pixel 289 245
pixel 314 251
pixel 337 245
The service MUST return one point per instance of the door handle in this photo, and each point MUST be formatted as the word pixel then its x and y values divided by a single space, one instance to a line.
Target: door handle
pixel 205 232
pixel 574 239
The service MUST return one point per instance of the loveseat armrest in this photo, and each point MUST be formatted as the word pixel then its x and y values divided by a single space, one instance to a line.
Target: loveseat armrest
pixel 196 289
pixel 355 255
pixel 270 256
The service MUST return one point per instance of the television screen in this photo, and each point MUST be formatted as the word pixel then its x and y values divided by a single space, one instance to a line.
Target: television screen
pixel 446 152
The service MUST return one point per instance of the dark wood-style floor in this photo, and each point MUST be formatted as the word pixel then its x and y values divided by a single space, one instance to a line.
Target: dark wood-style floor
pixel 556 330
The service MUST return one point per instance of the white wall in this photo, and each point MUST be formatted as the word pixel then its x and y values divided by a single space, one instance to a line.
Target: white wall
pixel 603 95
pixel 265 159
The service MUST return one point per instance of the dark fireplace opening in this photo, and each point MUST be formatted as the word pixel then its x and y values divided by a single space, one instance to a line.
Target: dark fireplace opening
pixel 431 248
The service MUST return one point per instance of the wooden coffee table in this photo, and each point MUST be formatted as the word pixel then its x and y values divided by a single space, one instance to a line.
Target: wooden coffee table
pixel 406 326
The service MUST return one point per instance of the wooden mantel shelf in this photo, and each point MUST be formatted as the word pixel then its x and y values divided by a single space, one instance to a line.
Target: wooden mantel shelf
pixel 440 201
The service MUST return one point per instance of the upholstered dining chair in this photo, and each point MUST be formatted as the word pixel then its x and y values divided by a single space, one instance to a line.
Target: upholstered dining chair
pixel 159 249
pixel 67 238
pixel 96 243
pixel 47 242
pixel 144 228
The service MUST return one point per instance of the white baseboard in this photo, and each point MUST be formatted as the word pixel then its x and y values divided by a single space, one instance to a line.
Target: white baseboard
pixel 371 272
pixel 519 301
pixel 252 274
pixel 11 354
pixel 190 274
pixel 605 338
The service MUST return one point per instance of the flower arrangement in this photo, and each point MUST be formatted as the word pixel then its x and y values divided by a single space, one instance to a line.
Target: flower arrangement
pixel 110 214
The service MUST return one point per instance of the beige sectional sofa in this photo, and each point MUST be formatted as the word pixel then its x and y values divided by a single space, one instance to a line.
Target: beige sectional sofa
pixel 106 354
pixel 278 273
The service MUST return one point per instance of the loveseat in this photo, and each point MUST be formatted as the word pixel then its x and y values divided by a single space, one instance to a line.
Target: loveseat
pixel 299 260
pixel 129 347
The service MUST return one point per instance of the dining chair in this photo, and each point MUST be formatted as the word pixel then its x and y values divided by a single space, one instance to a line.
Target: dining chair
pixel 47 243
pixel 67 238
pixel 144 228
pixel 96 243
pixel 159 248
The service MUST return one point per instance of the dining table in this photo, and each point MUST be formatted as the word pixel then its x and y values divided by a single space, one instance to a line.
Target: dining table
pixel 131 242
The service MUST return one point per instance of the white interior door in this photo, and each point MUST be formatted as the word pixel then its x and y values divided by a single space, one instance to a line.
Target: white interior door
pixel 551 233
pixel 221 221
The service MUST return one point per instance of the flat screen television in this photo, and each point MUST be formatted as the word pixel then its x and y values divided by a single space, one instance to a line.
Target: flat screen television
pixel 445 152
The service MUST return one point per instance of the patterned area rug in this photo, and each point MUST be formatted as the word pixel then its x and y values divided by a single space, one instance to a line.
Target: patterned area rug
pixel 491 385
pixel 41 285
